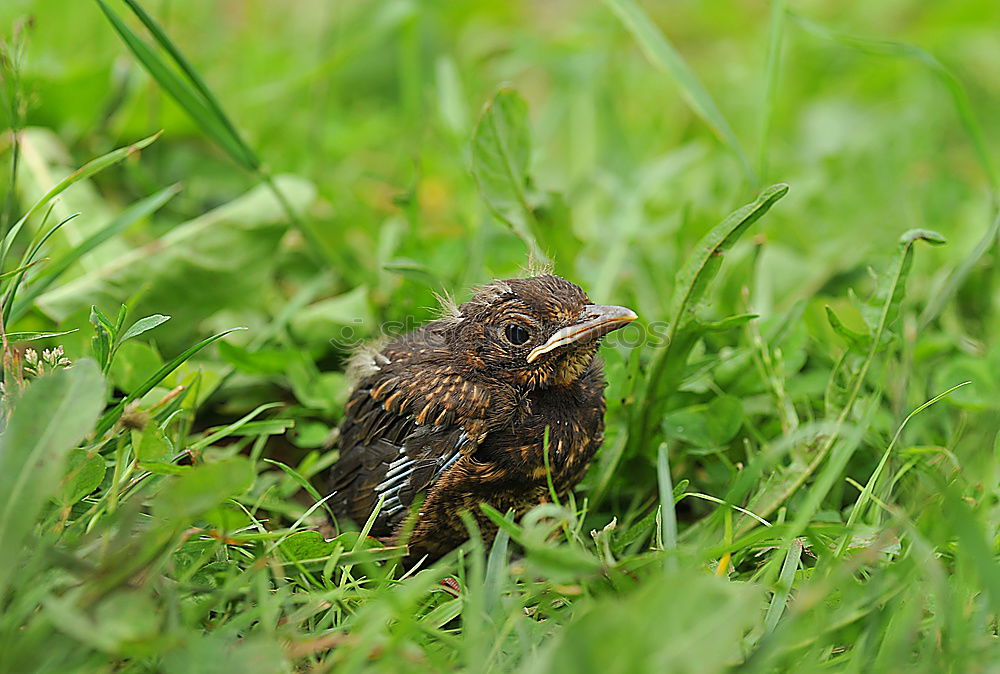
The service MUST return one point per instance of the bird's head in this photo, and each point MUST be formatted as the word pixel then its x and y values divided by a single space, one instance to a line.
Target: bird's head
pixel 533 332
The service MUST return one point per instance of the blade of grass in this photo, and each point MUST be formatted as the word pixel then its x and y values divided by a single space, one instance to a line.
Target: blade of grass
pixel 194 97
pixel 496 570
pixel 304 483
pixel 306 294
pixel 194 78
pixel 228 430
pixel 662 54
pixel 840 452
pixel 866 494
pixel 111 416
pixel 26 262
pixel 179 90
pixel 975 546
pixel 958 276
pixel 23 268
pixel 15 337
pixel 11 88
pixel 775 37
pixel 61 265
pixel 690 285
pixel 731 506
pixel 85 171
pixel 888 314
pixel 668 516
pixel 784 589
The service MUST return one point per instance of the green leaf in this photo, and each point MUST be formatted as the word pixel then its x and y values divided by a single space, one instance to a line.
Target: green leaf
pixel 226 652
pixel 27 261
pixel 164 468
pixel 547 558
pixel 84 473
pixel 662 54
pixel 866 493
pixel 957 278
pixel 785 578
pixel 897 278
pixel 706 426
pixel 728 323
pixel 513 529
pixel 221 260
pixel 889 312
pixel 195 80
pixel 561 561
pixel 227 517
pixel 143 325
pixel 202 488
pixel 690 285
pixel 501 152
pixel 253 429
pixel 300 480
pixel 639 530
pixel 23 268
pixel 97 317
pixel 53 415
pixel 226 431
pixel 984 392
pixel 132 364
pixel 17 337
pixel 260 362
pixel 414 271
pixel 150 444
pixel 976 547
pixel 304 545
pixel 694 277
pixel 328 317
pixel 668 514
pixel 855 340
pixel 194 97
pixel 51 160
pixel 120 621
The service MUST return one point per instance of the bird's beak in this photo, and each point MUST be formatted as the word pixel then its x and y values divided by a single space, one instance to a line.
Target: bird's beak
pixel 596 321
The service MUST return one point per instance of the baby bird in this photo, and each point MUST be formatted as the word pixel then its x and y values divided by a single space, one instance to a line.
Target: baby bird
pixel 453 414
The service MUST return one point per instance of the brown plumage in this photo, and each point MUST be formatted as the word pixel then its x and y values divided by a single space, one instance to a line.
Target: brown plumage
pixel 457 409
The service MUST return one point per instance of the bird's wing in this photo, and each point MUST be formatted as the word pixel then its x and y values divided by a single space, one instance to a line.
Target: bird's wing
pixel 399 435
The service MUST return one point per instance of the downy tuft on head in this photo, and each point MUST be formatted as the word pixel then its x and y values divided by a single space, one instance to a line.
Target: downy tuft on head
pixel 447 310
pixel 484 296
pixel 537 267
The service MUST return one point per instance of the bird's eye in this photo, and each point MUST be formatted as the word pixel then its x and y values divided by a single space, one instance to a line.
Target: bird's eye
pixel 516 334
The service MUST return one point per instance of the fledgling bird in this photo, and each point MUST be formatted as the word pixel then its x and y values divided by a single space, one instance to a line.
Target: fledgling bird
pixel 457 410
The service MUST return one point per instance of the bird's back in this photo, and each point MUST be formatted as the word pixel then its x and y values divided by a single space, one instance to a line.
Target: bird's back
pixel 412 411
pixel 419 425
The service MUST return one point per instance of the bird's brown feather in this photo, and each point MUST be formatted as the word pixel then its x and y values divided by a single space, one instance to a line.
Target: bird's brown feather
pixel 451 412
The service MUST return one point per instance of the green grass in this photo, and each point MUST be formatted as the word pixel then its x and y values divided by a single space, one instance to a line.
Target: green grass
pixel 801 469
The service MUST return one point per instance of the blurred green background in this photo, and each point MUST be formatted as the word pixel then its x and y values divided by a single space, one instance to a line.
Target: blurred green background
pixel 374 104
pixel 881 116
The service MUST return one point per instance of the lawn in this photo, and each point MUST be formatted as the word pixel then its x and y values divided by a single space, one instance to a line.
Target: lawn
pixel 207 206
